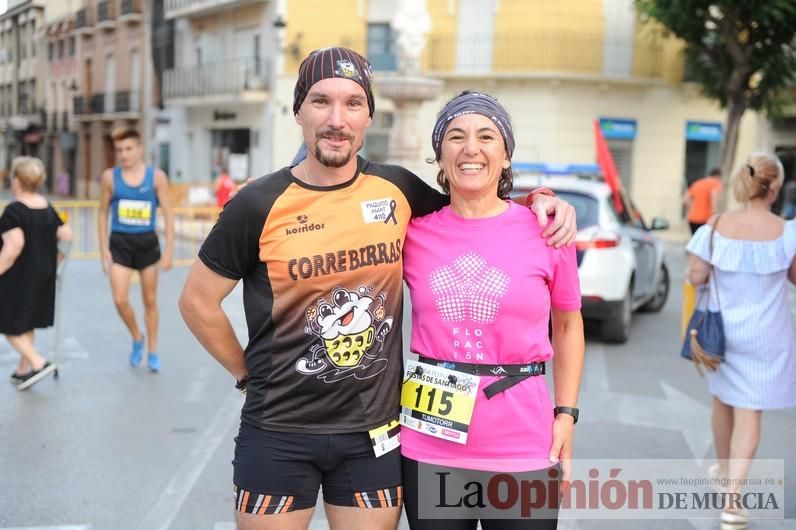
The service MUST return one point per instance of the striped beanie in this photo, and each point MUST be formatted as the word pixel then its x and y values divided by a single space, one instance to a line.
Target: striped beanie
pixel 332 62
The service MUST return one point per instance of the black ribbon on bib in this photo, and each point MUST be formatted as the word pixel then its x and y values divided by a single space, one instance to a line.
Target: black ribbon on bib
pixel 393 206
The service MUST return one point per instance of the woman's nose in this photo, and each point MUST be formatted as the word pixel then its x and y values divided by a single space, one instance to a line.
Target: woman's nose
pixel 471 145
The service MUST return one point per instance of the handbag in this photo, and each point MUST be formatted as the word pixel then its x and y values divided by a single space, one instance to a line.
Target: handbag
pixel 704 342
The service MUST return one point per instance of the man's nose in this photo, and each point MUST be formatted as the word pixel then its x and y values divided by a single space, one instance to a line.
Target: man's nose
pixel 336 116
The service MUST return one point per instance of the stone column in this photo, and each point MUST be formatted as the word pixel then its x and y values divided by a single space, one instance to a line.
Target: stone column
pixel 408 89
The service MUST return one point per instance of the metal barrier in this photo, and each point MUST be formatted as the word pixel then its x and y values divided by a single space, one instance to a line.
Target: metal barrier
pixel 191 225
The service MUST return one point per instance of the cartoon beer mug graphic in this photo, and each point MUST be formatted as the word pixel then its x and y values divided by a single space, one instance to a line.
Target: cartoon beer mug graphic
pixel 346 327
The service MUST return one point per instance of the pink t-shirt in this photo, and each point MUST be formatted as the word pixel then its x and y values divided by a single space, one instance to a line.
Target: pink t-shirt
pixel 481 293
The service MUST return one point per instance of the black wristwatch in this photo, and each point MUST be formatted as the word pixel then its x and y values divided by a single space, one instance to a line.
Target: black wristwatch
pixel 241 383
pixel 572 411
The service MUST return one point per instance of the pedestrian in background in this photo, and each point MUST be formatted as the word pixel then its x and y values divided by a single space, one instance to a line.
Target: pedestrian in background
pixel 702 199
pixel 31 230
pixel 133 191
pixel 752 261
pixel 223 187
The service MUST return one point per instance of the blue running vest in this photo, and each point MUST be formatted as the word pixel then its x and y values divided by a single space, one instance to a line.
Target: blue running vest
pixel 133 209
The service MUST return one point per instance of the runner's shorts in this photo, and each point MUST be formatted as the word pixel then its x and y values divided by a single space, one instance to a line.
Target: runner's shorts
pixel 278 472
pixel 135 251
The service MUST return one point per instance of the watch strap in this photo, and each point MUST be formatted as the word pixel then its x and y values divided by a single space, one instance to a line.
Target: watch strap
pixel 572 411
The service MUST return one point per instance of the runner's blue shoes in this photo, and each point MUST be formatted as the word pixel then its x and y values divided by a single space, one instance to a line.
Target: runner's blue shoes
pixel 135 355
pixel 154 362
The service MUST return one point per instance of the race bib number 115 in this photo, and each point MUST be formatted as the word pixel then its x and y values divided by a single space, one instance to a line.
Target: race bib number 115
pixel 438 401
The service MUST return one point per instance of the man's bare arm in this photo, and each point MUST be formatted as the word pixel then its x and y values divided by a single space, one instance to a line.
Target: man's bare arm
pixel 164 198
pixel 13 243
pixel 200 306
pixel 106 194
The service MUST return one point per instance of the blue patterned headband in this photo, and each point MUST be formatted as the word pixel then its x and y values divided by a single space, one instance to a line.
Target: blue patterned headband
pixel 473 103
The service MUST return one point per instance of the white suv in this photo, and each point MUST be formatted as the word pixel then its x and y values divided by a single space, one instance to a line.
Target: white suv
pixel 620 263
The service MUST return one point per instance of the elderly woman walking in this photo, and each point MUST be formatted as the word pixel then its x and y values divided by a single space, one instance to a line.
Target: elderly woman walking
pixel 30 230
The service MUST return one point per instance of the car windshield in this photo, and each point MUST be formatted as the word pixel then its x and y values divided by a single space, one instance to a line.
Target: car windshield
pixel 586 207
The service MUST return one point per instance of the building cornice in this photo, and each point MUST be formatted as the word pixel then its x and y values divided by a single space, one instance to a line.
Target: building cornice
pixel 547 76
pixel 21 8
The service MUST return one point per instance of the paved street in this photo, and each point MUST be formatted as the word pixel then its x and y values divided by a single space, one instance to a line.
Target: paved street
pixel 110 447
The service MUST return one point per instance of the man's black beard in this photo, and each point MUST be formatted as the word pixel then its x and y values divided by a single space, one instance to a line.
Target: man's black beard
pixel 333 161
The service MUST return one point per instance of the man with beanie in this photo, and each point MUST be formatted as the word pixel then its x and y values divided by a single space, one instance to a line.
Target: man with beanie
pixel 318 247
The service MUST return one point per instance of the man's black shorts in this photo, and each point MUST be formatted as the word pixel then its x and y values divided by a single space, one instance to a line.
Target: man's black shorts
pixel 278 472
pixel 135 251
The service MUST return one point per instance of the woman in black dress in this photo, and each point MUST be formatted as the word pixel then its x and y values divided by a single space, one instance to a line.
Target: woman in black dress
pixel 30 230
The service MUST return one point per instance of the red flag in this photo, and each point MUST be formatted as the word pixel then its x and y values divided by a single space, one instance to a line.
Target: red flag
pixel 606 162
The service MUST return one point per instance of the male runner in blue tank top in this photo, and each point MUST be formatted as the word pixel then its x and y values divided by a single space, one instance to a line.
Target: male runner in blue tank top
pixel 133 192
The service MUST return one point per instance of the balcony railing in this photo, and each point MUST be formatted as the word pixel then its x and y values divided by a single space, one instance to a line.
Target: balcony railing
pixel 97 103
pixel 84 21
pixel 127 101
pixel 79 106
pixel 180 8
pixel 131 10
pixel 231 77
pixel 106 14
pixel 559 52
pixel 106 103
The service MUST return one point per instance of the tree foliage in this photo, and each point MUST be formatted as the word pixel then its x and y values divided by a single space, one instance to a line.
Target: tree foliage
pixel 741 52
pixel 734 48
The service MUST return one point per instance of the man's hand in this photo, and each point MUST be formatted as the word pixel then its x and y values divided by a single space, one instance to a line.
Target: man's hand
pixel 105 260
pixel 166 262
pixel 239 187
pixel 563 228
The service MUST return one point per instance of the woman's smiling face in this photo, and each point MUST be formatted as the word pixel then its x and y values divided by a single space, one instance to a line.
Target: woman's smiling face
pixel 473 156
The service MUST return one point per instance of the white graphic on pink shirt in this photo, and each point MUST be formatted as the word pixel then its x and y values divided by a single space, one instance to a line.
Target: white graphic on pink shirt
pixel 469 289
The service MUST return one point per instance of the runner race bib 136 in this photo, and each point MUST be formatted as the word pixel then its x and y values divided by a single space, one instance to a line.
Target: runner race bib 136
pixel 131 212
pixel 438 401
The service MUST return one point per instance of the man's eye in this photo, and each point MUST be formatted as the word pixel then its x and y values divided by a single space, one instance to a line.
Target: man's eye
pixel 355 103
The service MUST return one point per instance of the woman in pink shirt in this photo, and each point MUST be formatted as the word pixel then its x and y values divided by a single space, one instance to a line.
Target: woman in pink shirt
pixel 483 288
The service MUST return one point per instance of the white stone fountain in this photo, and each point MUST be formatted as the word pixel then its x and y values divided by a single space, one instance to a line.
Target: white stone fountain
pixel 408 90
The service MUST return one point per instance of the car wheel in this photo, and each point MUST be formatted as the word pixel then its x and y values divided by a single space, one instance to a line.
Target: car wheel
pixel 658 300
pixel 618 329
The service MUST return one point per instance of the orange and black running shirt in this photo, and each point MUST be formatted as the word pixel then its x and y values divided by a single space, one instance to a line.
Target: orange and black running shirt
pixel 322 294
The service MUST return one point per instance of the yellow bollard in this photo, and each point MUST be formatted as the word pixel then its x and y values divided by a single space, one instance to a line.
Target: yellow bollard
pixel 689 301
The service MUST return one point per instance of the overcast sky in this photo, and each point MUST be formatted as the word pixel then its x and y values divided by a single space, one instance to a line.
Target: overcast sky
pixel 2 5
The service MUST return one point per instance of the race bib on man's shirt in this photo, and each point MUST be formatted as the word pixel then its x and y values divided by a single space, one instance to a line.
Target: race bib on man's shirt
pixel 136 213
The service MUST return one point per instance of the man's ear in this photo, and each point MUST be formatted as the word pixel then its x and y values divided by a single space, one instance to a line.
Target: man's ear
pixel 297 117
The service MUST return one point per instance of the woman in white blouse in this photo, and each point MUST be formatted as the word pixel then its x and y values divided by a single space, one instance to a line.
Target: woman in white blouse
pixel 752 259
